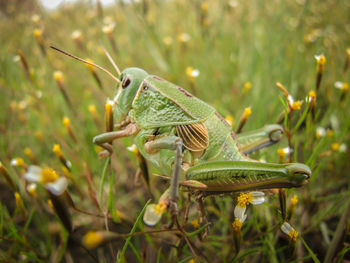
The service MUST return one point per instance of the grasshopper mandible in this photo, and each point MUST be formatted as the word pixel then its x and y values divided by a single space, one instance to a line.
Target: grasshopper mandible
pixel 186 138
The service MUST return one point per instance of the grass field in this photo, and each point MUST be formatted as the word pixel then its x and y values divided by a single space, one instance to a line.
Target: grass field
pixel 240 49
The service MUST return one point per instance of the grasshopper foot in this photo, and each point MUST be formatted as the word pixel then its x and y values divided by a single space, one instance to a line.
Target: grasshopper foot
pixel 104 154
pixel 107 152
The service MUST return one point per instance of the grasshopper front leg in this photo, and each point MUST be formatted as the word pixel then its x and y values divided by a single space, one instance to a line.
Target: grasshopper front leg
pixel 171 143
pixel 104 139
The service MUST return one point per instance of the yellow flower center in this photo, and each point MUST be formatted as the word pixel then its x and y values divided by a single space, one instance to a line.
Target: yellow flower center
pixel 281 152
pixel 296 105
pixel 48 175
pixel 189 71
pixel 335 147
pixel 19 162
pixel 345 87
pixel 92 239
pixel 160 208
pixel 237 225
pixel 244 199
pixel 321 60
pixel 312 94
pixel 133 149
pixel 293 235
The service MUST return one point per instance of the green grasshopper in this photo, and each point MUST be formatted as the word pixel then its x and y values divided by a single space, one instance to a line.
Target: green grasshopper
pixel 186 138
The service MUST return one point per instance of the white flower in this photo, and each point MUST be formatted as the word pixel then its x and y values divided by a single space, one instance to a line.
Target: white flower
pixel 244 199
pixel 290 231
pixel 287 150
pixel 154 213
pixel 76 34
pixel 48 177
pixel 258 198
pixel 343 147
pixel 320 132
pixel 240 213
pixel 290 99
pixel 133 148
pixel 183 37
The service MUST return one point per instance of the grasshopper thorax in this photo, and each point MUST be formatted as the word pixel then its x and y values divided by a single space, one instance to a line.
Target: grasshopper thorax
pixel 130 81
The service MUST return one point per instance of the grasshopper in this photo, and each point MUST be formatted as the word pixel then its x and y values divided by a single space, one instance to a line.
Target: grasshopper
pixel 187 139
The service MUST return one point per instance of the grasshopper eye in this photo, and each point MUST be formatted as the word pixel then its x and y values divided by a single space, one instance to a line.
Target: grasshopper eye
pixel 126 82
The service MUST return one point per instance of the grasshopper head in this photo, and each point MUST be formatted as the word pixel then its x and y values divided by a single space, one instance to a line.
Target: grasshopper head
pixel 298 174
pixel 131 79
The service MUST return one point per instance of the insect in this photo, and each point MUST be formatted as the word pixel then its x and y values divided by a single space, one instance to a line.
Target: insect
pixel 187 139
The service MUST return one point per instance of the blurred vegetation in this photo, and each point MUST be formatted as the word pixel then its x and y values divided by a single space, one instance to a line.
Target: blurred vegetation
pixel 241 49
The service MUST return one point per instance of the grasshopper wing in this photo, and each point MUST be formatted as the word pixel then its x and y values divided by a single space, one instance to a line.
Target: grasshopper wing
pixel 160 103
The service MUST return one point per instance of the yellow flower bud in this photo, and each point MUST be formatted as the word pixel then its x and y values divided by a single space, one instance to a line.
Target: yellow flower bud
pixel 57 149
pixel 66 121
pixel 92 109
pixel 294 200
pixel 92 239
pixel 195 223
pixel 247 113
pixel 237 225
pixel 58 76
pixel 247 87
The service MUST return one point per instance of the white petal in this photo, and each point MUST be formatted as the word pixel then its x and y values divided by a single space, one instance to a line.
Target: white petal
pixel 151 217
pixel 286 228
pixel 69 164
pixel 31 187
pixel 195 73
pixel 132 148
pixel 287 150
pixel 239 212
pixel 57 187
pixel 343 147
pixel 258 198
pixel 320 131
pixel 33 174
pixel 338 85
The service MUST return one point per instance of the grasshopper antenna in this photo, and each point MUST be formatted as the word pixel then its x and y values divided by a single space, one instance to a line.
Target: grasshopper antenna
pixel 110 59
pixel 87 62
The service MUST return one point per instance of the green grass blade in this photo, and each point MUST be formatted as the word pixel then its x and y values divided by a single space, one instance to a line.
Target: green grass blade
pixel 312 254
pixel 138 219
